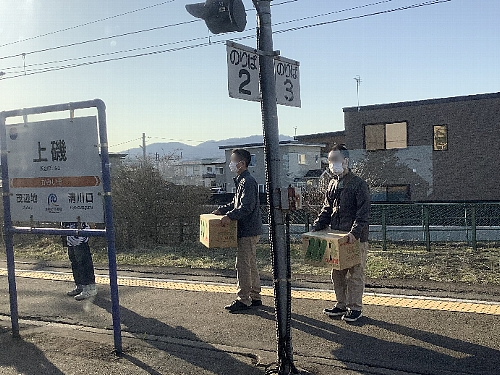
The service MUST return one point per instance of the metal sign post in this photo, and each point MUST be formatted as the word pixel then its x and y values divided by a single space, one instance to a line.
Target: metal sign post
pixel 42 182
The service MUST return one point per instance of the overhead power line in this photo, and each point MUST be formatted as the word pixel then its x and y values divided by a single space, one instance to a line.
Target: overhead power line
pixel 413 6
pixel 174 25
pixel 87 23
pixel 112 17
pixel 100 39
pixel 334 12
pixel 122 143
pixel 49 69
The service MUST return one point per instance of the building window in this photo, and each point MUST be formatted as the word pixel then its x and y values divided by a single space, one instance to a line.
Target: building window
pixel 398 193
pixel 302 159
pixel 386 136
pixel 440 138
pixel 262 188
pixel 391 193
pixel 395 135
pixel 375 137
pixel 252 160
pixel 209 170
pixel 220 170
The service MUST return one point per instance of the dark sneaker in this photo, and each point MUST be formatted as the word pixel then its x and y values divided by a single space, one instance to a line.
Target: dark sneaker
pixel 352 316
pixel 236 306
pixel 78 289
pixel 335 312
pixel 256 302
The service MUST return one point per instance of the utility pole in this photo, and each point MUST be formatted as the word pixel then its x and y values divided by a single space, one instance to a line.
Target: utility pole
pixel 277 235
pixel 226 16
pixel 143 146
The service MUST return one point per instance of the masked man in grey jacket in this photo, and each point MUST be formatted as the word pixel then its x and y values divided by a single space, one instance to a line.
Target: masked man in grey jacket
pixel 245 209
pixel 346 208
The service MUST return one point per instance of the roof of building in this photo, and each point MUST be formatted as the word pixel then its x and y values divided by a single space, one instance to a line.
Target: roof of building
pixel 339 133
pixel 282 143
pixel 314 173
pixel 213 161
pixel 453 99
pixel 206 161
pixel 116 155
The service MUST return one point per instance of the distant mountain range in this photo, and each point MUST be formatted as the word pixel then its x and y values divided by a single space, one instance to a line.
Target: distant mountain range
pixel 208 149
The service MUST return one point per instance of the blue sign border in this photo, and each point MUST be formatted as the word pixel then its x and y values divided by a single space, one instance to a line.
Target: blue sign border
pixel 108 232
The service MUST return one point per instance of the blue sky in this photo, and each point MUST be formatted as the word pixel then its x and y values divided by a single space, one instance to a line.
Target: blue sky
pixel 441 50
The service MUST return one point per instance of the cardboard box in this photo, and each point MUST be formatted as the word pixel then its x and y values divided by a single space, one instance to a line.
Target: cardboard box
pixel 330 248
pixel 214 235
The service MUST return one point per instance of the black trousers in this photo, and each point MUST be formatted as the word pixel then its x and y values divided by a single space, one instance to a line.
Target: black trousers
pixel 81 264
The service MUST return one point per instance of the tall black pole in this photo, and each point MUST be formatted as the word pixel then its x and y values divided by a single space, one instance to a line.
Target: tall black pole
pixel 281 260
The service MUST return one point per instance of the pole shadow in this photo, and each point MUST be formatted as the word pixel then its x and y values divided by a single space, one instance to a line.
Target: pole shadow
pixel 24 356
pixel 414 351
pixel 203 356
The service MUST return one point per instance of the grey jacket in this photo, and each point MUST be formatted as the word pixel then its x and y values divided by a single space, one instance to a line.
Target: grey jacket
pixel 245 206
pixel 346 207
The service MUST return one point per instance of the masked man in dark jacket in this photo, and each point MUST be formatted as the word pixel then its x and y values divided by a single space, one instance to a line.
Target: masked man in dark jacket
pixel 346 208
pixel 245 209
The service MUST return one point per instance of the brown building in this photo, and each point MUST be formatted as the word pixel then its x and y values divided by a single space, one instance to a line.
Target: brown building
pixel 429 150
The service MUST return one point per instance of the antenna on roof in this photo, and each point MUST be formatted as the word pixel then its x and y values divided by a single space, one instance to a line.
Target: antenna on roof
pixel 358 82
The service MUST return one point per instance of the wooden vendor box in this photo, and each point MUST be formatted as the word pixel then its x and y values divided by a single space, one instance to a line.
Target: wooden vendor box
pixel 214 235
pixel 330 248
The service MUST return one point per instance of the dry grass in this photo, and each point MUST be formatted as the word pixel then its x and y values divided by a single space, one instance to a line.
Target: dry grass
pixel 445 263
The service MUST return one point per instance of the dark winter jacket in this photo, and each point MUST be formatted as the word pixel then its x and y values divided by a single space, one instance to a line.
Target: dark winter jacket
pixel 245 206
pixel 346 207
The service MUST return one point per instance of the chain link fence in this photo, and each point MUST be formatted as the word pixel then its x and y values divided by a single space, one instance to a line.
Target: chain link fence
pixel 469 223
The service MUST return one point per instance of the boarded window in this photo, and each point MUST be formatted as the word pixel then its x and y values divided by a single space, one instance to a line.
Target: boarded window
pixel 440 137
pixel 386 136
pixel 395 135
pixel 375 137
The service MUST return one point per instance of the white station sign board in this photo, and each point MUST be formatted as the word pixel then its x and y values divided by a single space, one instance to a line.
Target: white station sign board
pixel 287 77
pixel 55 171
pixel 243 76
pixel 243 72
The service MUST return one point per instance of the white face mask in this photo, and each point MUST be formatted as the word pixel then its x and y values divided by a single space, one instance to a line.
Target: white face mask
pixel 337 168
pixel 233 166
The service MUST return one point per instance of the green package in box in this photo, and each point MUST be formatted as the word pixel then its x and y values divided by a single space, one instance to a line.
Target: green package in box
pixel 330 248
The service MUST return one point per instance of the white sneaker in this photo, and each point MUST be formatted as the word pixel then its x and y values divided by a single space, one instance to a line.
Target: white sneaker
pixel 87 292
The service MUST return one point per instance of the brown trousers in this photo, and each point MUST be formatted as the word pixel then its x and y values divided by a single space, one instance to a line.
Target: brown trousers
pixel 349 284
pixel 246 270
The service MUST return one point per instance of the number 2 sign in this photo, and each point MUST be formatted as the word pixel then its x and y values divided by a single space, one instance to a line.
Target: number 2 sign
pixel 243 76
pixel 243 72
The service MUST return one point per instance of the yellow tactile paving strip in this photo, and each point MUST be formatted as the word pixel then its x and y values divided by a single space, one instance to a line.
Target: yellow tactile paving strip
pixel 426 303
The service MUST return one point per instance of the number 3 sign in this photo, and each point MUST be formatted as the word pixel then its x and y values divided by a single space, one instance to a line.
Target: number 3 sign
pixel 287 81
pixel 243 76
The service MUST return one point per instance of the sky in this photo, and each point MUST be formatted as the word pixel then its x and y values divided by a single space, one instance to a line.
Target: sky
pixel 441 50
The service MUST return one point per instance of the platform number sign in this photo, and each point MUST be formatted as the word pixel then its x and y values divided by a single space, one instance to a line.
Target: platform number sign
pixel 243 76
pixel 243 72
pixel 286 72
